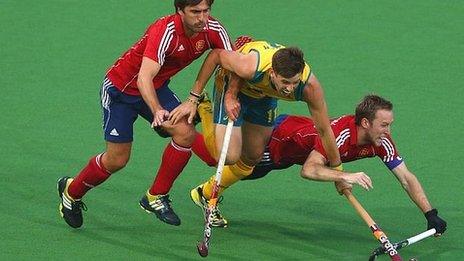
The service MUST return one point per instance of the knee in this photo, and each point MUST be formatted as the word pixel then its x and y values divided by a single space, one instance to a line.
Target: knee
pixel 183 134
pixel 252 159
pixel 232 157
pixel 115 162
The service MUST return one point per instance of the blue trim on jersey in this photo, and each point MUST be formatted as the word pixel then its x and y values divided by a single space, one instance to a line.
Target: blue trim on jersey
pixel 258 76
pixel 279 119
pixel 299 91
pixel 394 163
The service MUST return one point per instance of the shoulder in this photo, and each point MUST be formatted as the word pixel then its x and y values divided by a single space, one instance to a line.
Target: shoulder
pixel 342 130
pixel 165 23
pixel 388 144
pixel 214 24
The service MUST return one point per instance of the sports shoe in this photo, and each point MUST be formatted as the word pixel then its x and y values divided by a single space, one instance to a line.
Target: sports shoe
pixel 160 205
pixel 197 197
pixel 70 209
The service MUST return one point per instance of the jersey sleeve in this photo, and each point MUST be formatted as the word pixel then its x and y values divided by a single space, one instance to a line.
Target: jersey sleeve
pixel 159 36
pixel 218 36
pixel 388 154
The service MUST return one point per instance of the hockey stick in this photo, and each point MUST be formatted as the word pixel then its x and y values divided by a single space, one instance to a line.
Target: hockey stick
pixel 376 231
pixel 203 246
pixel 403 243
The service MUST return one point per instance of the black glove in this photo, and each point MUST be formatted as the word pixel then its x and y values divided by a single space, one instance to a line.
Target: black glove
pixel 434 221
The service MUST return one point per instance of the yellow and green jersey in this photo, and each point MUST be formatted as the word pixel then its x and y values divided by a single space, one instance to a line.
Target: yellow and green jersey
pixel 260 85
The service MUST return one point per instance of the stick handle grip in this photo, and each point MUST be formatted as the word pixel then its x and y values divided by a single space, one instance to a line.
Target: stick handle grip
pixel 421 236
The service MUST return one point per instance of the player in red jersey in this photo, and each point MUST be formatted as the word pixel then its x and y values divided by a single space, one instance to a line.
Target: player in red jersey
pixel 138 84
pixel 363 135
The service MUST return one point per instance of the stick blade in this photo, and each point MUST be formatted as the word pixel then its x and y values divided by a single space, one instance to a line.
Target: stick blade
pixel 202 249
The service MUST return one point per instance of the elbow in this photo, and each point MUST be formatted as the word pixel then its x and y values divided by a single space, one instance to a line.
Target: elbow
pixel 309 171
pixel 140 81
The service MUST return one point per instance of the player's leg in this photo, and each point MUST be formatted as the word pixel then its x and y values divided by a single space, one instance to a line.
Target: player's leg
pixel 255 138
pixel 221 119
pixel 175 157
pixel 118 119
pixel 259 116
pixel 214 143
pixel 205 112
pixel 261 113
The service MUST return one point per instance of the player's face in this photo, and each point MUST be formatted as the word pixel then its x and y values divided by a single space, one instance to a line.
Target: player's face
pixel 285 86
pixel 380 126
pixel 195 17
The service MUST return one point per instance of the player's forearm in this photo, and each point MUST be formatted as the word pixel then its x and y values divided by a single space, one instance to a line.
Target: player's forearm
pixel 416 193
pixel 314 171
pixel 234 85
pixel 328 141
pixel 327 138
pixel 316 103
pixel 146 90
pixel 206 70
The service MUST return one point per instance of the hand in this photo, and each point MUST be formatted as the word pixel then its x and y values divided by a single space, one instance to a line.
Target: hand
pixel 359 178
pixel 232 106
pixel 434 221
pixel 159 117
pixel 341 185
pixel 187 108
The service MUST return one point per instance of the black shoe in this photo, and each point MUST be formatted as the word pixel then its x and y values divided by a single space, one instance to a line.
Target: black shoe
pixel 70 209
pixel 160 205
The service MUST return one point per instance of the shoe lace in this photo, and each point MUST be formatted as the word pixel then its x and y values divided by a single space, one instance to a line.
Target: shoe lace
pixel 165 201
pixel 216 212
pixel 78 206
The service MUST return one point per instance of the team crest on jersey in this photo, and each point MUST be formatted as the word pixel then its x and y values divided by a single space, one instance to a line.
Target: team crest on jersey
pixel 200 45
pixel 363 153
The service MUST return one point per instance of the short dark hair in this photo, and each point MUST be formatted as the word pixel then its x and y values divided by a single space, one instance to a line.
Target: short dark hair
pixel 369 106
pixel 287 62
pixel 181 4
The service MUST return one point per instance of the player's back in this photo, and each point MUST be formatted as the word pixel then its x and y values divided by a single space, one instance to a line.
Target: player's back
pixel 293 139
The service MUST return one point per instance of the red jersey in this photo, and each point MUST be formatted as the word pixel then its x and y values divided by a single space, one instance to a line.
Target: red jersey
pixel 296 137
pixel 166 43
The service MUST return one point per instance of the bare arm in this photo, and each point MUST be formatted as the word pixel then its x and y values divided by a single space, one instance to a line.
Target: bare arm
pixel 414 189
pixel 412 186
pixel 232 104
pixel 314 97
pixel 148 70
pixel 242 65
pixel 239 64
pixel 314 169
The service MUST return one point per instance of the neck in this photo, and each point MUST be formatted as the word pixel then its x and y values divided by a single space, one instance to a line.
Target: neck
pixel 362 136
pixel 189 33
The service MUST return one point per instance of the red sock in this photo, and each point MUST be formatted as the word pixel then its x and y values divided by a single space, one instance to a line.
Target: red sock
pixel 174 160
pixel 199 148
pixel 91 176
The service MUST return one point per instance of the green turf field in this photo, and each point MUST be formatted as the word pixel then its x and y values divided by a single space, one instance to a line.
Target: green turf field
pixel 54 54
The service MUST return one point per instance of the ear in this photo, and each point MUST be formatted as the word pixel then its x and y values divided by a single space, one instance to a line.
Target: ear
pixel 271 72
pixel 365 123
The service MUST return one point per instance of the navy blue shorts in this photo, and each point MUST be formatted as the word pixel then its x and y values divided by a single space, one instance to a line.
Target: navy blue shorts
pixel 121 110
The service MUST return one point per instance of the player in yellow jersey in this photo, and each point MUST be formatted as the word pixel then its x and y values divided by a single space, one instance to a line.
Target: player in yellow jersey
pixel 247 86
